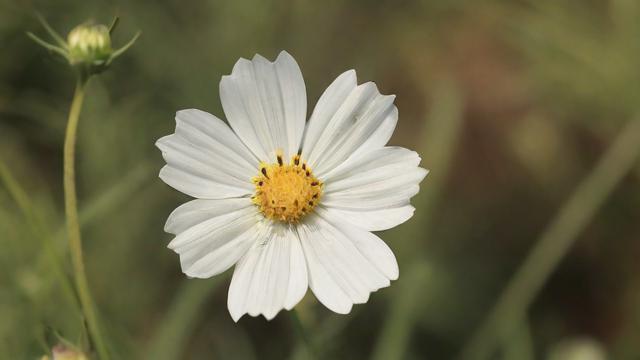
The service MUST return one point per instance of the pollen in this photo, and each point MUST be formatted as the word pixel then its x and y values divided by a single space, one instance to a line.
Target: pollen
pixel 286 192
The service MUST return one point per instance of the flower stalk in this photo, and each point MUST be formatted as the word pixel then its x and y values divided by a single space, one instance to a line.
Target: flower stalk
pixel 88 51
pixel 73 224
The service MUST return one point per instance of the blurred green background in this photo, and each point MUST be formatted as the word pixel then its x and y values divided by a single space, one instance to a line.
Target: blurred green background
pixel 511 104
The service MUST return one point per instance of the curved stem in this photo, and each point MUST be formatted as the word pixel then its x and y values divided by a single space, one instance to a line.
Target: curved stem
pixel 73 226
pixel 555 242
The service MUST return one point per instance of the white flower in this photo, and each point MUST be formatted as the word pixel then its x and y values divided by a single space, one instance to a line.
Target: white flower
pixel 291 204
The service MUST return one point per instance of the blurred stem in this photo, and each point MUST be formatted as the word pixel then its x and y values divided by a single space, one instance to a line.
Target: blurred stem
pixel 176 327
pixel 401 317
pixel 95 208
pixel 303 336
pixel 440 138
pixel 555 242
pixel 21 198
pixel 73 225
pixel 109 199
pixel 624 14
pixel 519 344
pixel 325 333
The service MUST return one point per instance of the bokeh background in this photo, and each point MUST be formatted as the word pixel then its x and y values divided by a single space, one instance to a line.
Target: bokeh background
pixel 515 106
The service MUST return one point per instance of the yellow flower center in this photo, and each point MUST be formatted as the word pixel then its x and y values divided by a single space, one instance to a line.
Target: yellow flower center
pixel 286 192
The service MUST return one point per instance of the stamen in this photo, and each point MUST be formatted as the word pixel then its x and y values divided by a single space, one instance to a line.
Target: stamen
pixel 282 189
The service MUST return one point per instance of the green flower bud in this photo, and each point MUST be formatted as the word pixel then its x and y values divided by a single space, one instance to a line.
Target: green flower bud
pixel 89 44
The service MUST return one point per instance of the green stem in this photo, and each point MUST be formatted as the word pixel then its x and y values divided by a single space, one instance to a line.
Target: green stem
pixel 401 316
pixel 73 225
pixel 555 242
pixel 519 344
pixel 180 320
pixel 298 327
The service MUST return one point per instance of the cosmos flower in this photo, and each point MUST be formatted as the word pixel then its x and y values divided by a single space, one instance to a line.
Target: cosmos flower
pixel 292 204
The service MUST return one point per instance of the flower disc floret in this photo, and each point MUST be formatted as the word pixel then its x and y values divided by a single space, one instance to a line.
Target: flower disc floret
pixel 286 192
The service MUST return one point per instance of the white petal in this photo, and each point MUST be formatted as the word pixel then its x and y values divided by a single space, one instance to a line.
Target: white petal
pixel 271 276
pixel 207 131
pixel 188 180
pixel 380 136
pixel 196 211
pixel 326 107
pixel 375 220
pixel 345 263
pixel 358 170
pixel 212 246
pixel 266 104
pixel 223 252
pixel 298 277
pixel 369 245
pixel 205 159
pixel 373 190
pixel 348 120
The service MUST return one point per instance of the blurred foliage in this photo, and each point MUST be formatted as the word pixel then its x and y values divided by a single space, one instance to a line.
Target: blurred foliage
pixel 510 104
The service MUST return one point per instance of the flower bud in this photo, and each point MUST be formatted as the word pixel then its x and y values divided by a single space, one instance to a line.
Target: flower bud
pixel 62 352
pixel 89 44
